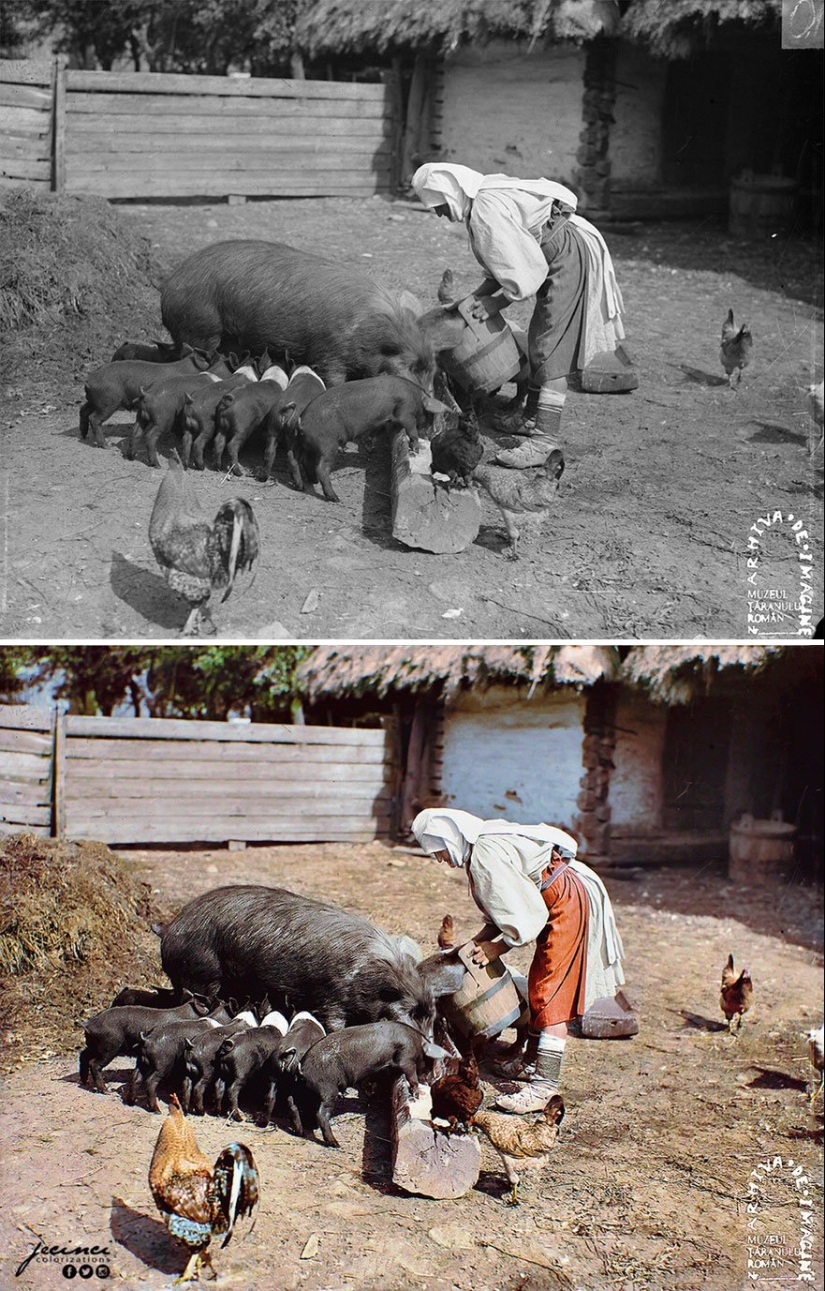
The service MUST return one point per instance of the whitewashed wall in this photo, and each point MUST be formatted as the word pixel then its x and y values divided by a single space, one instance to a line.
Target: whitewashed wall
pixel 510 111
pixel 518 759
pixel 636 786
pixel 636 136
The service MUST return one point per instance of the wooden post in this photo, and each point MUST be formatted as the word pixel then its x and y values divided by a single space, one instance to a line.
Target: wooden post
pixel 392 80
pixel 426 1161
pixel 423 514
pixel 59 132
pixel 59 776
pixel 416 101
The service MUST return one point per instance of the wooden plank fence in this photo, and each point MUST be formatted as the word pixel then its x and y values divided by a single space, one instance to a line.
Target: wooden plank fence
pixel 27 90
pixel 150 780
pixel 26 744
pixel 151 134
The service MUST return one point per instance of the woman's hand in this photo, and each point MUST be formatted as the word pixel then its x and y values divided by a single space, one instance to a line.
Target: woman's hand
pixel 484 952
pixel 487 306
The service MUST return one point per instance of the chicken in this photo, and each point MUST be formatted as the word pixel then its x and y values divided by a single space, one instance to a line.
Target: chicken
pixel 525 495
pixel 815 407
pixel 736 996
pixel 457 1096
pixel 816 1046
pixel 446 933
pixel 446 288
pixel 457 451
pixel 198 1200
pixel 521 1141
pixel 198 557
pixel 735 353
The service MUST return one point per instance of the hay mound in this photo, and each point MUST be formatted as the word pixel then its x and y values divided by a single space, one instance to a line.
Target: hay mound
pixel 75 926
pixel 75 280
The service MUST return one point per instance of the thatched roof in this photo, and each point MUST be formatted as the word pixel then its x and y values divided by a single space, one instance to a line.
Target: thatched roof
pixel 672 30
pixel 336 672
pixel 361 26
pixel 680 28
pixel 678 674
pixel 669 674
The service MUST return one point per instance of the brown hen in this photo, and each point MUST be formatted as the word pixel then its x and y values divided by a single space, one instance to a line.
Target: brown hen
pixel 523 1143
pixel 457 1096
pixel 736 996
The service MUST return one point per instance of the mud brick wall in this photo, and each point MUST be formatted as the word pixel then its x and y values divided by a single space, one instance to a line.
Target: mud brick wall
pixel 593 174
pixel 593 819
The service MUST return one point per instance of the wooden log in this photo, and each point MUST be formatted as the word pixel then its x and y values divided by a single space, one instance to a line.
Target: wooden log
pixel 424 515
pixel 426 1161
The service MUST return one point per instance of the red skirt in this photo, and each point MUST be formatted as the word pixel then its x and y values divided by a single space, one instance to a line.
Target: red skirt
pixel 556 981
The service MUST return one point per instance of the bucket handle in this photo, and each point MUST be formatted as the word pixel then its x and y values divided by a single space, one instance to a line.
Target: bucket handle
pixel 480 973
pixel 477 325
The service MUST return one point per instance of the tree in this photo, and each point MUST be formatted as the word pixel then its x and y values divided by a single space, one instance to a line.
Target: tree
pixel 196 36
pixel 165 681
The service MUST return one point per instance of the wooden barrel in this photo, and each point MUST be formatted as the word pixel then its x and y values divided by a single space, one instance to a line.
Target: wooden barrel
pixel 488 1001
pixel 761 205
pixel 760 848
pixel 487 355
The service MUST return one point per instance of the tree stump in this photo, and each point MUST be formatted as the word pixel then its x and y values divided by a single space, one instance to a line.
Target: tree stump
pixel 423 515
pixel 426 1161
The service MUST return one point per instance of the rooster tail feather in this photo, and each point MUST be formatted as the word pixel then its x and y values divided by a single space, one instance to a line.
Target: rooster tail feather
pixel 237 535
pixel 236 1179
pixel 245 541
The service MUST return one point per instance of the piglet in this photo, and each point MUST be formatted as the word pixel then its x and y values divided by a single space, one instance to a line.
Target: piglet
pixel 348 1057
pixel 197 417
pixel 240 413
pixel 281 422
pixel 200 1057
pixel 118 1031
pixel 160 352
pixel 282 1067
pixel 160 406
pixel 119 385
pixel 161 1051
pixel 348 411
pixel 242 1056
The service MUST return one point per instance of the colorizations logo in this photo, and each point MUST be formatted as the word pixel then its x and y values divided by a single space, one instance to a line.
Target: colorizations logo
pixel 78 1261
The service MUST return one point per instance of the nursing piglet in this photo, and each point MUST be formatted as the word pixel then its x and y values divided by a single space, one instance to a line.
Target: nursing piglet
pixel 348 1057
pixel 281 423
pixel 116 386
pixel 348 411
pixel 240 413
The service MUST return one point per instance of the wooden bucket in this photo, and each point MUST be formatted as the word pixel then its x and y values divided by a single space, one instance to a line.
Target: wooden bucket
pixel 488 1001
pixel 761 205
pixel 760 848
pixel 487 355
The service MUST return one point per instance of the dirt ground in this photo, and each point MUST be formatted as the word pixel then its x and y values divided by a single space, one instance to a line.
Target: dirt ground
pixel 649 534
pixel 648 1187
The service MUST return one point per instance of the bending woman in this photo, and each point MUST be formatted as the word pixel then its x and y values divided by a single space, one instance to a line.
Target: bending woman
pixel 526 237
pixel 526 881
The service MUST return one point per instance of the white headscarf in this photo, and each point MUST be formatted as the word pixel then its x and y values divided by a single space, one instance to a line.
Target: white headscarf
pixel 445 829
pixel 443 184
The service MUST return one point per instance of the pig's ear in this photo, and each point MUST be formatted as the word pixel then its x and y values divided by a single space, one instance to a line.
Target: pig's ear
pixel 434 405
pixel 434 1050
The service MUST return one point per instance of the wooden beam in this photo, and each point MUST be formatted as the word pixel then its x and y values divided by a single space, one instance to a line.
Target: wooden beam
pixel 425 515
pixel 425 1160
pixel 179 728
pixel 223 86
pixel 59 175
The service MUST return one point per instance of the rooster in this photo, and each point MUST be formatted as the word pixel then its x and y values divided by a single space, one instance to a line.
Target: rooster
pixel 736 996
pixel 735 353
pixel 446 288
pixel 457 1096
pixel 523 1142
pixel 457 451
pixel 198 557
pixel 446 933
pixel 198 1200
pixel 522 495
pixel 816 1045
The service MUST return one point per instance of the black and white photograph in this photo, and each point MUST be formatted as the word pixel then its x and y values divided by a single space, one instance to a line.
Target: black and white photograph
pixel 586 235
pixel 411 664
